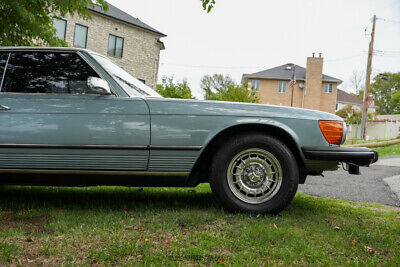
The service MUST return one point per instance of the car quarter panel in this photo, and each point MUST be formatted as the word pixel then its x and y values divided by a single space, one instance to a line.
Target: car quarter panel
pixel 183 123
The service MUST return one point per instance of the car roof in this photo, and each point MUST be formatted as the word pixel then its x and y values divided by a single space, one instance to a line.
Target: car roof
pixel 41 48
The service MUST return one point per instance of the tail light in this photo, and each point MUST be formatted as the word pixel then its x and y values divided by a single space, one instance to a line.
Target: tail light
pixel 333 131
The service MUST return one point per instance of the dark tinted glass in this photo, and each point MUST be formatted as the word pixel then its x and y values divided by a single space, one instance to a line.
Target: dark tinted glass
pixel 3 62
pixel 44 72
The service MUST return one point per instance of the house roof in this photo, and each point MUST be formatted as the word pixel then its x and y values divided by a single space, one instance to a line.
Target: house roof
pixel 344 97
pixel 118 14
pixel 283 73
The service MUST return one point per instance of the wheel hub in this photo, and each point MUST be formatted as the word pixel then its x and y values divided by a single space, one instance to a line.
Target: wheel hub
pixel 254 175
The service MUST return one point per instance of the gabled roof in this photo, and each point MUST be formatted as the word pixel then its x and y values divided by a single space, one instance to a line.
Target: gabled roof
pixel 120 15
pixel 344 97
pixel 283 73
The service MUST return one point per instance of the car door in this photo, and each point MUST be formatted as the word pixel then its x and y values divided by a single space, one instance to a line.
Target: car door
pixel 49 119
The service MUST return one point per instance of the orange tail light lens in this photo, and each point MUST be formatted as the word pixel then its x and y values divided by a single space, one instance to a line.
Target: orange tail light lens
pixel 332 131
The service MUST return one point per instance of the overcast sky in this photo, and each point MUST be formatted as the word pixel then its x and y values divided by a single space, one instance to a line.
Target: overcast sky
pixel 240 36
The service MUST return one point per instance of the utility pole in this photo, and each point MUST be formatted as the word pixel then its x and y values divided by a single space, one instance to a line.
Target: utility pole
pixel 367 83
pixel 292 83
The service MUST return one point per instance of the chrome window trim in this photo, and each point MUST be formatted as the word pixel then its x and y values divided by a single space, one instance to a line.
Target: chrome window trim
pixel 4 72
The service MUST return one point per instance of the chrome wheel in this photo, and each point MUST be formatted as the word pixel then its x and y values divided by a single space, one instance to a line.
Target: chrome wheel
pixel 254 176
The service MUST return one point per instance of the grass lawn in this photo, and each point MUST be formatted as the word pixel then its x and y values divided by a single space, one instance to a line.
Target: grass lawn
pixel 119 226
pixel 388 150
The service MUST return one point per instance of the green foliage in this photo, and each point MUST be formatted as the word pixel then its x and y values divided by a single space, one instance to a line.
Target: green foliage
pixel 170 89
pixel 30 22
pixel 396 102
pixel 216 83
pixel 386 91
pixel 223 88
pixel 351 115
pixel 235 93
pixel 208 5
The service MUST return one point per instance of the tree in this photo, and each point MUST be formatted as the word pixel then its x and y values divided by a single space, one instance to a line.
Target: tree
pixel 30 22
pixel 170 89
pixel 224 88
pixel 396 102
pixel 385 89
pixel 351 115
pixel 215 83
pixel 208 4
pixel 357 81
pixel 235 93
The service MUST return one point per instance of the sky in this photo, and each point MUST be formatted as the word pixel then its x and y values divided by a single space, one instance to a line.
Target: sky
pixel 240 36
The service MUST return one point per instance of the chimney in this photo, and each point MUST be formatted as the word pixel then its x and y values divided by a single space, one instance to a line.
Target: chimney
pixel 313 85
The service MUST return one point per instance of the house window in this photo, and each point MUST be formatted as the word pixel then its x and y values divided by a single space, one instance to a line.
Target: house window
pixel 328 88
pixel 80 36
pixel 61 27
pixel 282 86
pixel 115 46
pixel 255 85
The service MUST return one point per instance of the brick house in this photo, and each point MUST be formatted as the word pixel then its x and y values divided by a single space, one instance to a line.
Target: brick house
pixel 313 90
pixel 129 42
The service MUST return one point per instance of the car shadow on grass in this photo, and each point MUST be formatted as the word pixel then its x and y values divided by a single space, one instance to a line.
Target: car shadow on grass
pixel 128 198
pixel 114 198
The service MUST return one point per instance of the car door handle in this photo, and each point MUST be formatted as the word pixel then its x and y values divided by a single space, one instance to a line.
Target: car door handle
pixel 4 107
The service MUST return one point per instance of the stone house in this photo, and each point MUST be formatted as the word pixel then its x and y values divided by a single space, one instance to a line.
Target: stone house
pixel 129 42
pixel 313 89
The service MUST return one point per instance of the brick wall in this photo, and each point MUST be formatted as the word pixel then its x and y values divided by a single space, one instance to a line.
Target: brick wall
pixel 141 52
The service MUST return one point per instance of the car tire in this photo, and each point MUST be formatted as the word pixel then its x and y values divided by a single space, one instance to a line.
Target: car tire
pixel 254 173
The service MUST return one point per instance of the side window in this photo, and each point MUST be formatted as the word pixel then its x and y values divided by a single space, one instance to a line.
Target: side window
pixel 282 87
pixel 80 36
pixel 255 84
pixel 47 72
pixel 61 27
pixel 115 46
pixel 328 88
pixel 3 63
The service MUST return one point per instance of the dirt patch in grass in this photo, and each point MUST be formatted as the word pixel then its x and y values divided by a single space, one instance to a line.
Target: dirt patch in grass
pixel 30 225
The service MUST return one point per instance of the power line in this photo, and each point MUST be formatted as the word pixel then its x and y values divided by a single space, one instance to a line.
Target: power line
pixel 390 20
pixel 249 67
pixel 210 66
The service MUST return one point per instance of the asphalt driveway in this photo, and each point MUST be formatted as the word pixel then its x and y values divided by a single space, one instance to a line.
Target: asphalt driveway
pixel 367 187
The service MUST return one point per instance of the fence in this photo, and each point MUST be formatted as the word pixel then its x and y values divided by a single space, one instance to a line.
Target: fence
pixel 376 130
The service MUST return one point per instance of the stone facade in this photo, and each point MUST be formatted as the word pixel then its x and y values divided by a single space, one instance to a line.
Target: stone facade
pixel 141 49
pixel 311 95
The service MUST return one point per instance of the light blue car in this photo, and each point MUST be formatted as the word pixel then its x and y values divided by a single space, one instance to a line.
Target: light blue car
pixel 72 117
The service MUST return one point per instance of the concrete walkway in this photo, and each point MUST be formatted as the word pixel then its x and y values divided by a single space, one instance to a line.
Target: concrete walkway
pixel 379 183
